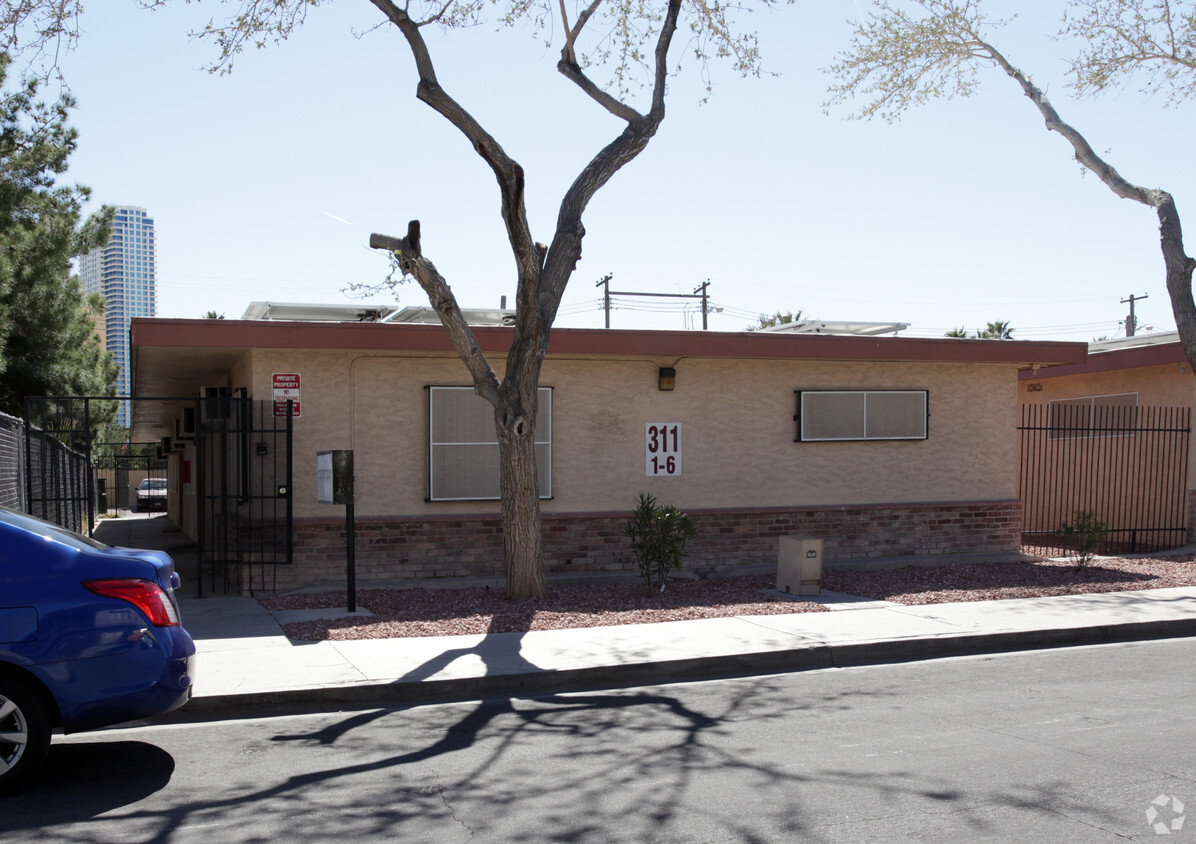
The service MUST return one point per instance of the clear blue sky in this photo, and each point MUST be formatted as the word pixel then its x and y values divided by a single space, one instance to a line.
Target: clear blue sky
pixel 266 184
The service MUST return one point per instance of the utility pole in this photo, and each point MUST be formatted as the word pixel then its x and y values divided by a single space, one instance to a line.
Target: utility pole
pixel 605 282
pixel 1131 322
pixel 701 288
pixel 699 293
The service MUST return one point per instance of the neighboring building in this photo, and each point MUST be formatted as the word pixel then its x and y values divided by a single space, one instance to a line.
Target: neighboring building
pixel 125 272
pixel 1111 435
pixel 881 446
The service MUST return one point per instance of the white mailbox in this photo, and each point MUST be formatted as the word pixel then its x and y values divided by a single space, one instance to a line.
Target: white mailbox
pixel 799 565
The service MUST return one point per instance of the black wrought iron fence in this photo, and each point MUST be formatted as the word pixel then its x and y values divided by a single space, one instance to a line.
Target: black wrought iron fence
pixel 1125 468
pixel 59 476
pixel 59 482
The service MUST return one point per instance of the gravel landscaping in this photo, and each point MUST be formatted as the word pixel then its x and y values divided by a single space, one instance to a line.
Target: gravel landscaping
pixel 400 613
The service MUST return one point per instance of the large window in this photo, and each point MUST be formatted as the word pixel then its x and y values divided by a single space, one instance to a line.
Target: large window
pixel 835 415
pixel 1091 416
pixel 463 446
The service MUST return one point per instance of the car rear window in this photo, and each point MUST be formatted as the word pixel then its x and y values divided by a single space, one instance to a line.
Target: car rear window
pixel 48 530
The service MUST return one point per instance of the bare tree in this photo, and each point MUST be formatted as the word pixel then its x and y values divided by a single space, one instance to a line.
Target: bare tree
pixel 634 40
pixel 898 60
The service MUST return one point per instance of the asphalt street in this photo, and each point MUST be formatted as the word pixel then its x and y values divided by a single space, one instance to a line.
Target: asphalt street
pixel 1067 745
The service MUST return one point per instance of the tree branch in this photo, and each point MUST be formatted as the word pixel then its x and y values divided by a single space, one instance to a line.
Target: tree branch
pixel 1083 150
pixel 1120 38
pixel 567 52
pixel 565 250
pixel 572 71
pixel 508 173
pixel 412 263
pixel 614 105
pixel 895 59
pixel 529 256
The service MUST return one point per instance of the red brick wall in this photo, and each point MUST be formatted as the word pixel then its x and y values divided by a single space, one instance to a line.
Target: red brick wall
pixel 588 542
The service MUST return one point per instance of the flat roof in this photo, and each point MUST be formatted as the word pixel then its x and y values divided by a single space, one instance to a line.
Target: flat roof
pixel 175 357
pixel 260 334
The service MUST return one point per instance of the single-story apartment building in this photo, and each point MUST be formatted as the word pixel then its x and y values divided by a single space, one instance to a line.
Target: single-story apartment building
pixel 880 446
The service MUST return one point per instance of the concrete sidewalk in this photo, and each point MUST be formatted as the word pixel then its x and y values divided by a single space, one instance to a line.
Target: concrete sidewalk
pixel 247 666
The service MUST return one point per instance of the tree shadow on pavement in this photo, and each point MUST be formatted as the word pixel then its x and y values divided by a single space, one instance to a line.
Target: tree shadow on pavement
pixel 83 781
pixel 637 765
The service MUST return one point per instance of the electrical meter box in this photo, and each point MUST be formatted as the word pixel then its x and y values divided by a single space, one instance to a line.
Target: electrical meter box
pixel 334 476
pixel 799 565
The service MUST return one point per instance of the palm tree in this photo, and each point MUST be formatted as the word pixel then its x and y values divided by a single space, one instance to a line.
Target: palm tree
pixel 999 330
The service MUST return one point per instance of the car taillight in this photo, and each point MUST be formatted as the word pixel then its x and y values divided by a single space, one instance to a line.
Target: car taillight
pixel 146 595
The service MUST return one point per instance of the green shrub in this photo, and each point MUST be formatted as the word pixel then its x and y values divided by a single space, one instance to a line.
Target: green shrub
pixel 1082 536
pixel 658 537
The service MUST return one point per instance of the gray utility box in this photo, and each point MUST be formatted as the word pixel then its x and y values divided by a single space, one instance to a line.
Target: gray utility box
pixel 799 565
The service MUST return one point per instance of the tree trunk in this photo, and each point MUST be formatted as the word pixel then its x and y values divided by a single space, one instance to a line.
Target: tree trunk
pixel 543 273
pixel 1179 277
pixel 520 502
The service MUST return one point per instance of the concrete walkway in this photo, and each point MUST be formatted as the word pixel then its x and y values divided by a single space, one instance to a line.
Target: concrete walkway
pixel 246 666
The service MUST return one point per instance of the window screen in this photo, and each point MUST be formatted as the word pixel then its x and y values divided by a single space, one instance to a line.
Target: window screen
pixel 463 446
pixel 829 415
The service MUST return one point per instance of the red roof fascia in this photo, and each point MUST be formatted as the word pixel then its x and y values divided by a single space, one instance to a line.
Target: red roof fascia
pixel 266 334
pixel 1114 361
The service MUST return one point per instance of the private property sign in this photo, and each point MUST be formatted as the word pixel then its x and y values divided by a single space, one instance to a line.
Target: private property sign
pixel 286 386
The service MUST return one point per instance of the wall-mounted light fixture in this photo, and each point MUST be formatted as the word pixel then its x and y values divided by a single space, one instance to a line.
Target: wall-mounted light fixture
pixel 668 378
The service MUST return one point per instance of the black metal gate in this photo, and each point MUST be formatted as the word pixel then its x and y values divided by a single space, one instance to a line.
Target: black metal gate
pixel 1127 466
pixel 240 472
pixel 129 476
pixel 243 465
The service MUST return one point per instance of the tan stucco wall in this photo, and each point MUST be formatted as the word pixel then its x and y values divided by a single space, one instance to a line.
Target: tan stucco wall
pixel 1170 384
pixel 737 428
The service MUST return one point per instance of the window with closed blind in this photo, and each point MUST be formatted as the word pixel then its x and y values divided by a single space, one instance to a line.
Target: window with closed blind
pixel 1092 416
pixel 463 445
pixel 848 415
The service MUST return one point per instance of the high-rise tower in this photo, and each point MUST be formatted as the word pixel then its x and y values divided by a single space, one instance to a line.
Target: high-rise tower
pixel 125 273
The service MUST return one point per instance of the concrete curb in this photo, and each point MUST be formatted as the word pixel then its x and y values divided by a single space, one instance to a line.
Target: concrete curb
pixel 817 655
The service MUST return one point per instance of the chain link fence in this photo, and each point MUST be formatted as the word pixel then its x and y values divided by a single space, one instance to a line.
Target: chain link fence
pixel 12 462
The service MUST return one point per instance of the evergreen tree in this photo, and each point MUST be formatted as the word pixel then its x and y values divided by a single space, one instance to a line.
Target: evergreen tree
pixel 48 344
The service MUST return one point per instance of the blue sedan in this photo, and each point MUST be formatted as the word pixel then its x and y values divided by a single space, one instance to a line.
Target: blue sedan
pixel 89 637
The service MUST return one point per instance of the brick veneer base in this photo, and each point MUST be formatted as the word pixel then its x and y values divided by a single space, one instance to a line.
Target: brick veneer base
pixel 1191 516
pixel 594 542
